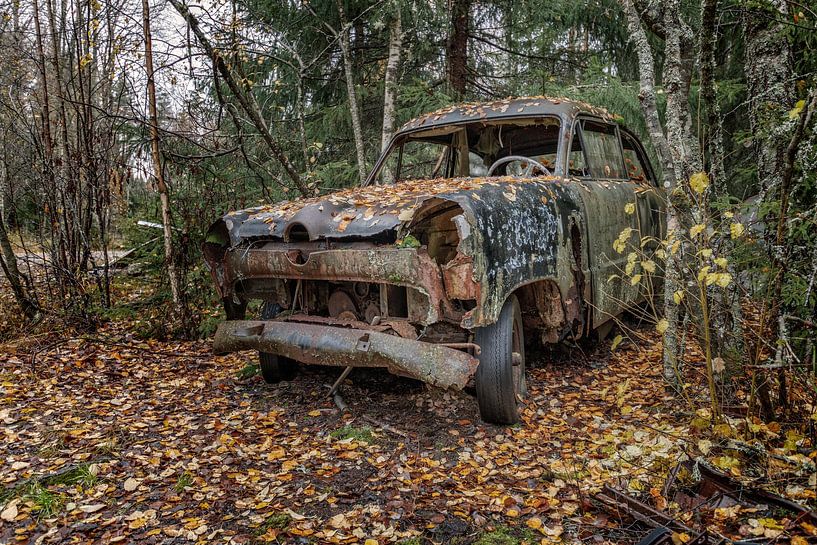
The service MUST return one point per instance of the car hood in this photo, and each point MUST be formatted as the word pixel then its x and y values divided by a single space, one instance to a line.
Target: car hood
pixel 359 212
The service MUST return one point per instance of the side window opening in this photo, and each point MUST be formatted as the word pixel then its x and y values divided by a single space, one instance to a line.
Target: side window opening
pixel 602 150
pixel 576 165
pixel 636 163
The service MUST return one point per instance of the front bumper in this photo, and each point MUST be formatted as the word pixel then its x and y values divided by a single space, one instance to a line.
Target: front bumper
pixel 340 347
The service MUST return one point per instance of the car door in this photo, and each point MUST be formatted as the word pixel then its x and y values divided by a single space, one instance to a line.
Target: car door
pixel 606 189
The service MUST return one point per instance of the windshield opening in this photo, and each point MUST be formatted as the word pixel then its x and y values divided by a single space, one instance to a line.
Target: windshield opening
pixel 471 149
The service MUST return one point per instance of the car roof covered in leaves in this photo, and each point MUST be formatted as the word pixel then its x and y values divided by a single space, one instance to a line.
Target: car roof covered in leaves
pixel 507 109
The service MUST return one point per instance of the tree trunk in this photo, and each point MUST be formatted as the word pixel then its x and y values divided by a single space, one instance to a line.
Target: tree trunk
pixel 768 67
pixel 348 67
pixel 8 264
pixel 458 47
pixel 175 284
pixel 672 281
pixel 390 84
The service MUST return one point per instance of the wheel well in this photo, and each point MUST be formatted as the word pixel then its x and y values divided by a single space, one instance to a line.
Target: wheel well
pixel 543 312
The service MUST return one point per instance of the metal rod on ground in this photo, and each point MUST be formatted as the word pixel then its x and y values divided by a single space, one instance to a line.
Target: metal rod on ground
pixel 338 382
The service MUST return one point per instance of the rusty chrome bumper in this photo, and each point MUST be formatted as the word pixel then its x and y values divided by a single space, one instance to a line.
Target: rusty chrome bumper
pixel 340 347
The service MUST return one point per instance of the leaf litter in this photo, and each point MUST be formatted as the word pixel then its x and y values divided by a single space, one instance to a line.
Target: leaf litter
pixel 184 450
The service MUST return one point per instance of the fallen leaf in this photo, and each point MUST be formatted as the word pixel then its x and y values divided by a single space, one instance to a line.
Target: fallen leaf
pixel 131 484
pixel 10 512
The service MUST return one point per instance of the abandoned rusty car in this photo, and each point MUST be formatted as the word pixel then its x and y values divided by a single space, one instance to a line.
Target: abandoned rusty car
pixel 481 227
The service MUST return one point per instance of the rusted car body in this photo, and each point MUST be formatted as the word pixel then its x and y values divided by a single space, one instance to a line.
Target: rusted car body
pixel 406 275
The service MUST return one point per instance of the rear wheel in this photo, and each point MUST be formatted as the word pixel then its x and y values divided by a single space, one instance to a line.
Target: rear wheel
pixel 275 368
pixel 500 378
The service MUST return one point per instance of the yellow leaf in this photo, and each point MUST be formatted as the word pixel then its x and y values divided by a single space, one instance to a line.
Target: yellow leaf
pixel 794 113
pixel 314 413
pixel 736 230
pixel 722 262
pixel 635 280
pixel 675 247
pixel 534 522
pixel 724 279
pixel 699 182
pixel 276 454
pixel 770 523
pixel 680 538
pixel 798 540
pixel 696 230
pixel 662 325
pixel 616 341
pixel 678 296
pixel 629 208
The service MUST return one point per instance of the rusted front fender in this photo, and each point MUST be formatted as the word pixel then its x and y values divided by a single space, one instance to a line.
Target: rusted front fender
pixel 340 347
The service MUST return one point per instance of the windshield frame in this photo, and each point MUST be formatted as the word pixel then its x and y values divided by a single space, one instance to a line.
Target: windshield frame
pixel 561 146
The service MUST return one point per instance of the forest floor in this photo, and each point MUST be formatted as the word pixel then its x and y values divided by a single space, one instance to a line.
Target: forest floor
pixel 113 439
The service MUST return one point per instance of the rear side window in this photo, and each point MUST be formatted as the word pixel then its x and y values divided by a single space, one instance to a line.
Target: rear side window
pixel 602 150
pixel 637 165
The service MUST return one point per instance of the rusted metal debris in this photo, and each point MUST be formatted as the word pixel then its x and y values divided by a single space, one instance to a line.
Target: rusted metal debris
pixel 710 489
pixel 326 345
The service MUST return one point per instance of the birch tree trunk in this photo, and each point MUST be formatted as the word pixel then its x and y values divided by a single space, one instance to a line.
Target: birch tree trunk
pixel 672 281
pixel 348 68
pixel 161 186
pixel 390 83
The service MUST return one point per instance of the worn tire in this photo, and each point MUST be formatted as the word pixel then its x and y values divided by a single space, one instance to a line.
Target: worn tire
pixel 275 368
pixel 499 386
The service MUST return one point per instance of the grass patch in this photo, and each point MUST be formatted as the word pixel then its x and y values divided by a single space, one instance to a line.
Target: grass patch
pixel 83 474
pixel 184 480
pixel 276 521
pixel 46 503
pixel 248 371
pixel 350 432
pixel 503 535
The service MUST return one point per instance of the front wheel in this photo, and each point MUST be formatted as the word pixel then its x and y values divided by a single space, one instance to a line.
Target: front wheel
pixel 275 368
pixel 500 378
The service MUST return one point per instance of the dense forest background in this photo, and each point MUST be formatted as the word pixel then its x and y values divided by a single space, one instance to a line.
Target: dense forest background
pixel 169 114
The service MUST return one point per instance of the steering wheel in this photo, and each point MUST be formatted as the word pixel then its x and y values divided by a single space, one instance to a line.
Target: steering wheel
pixel 532 163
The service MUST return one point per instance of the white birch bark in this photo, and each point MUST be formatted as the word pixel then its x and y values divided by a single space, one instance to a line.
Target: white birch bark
pixel 390 84
pixel 175 287
pixel 647 98
pixel 348 68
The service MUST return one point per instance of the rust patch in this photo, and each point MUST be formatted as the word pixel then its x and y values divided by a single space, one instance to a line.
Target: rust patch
pixel 458 278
